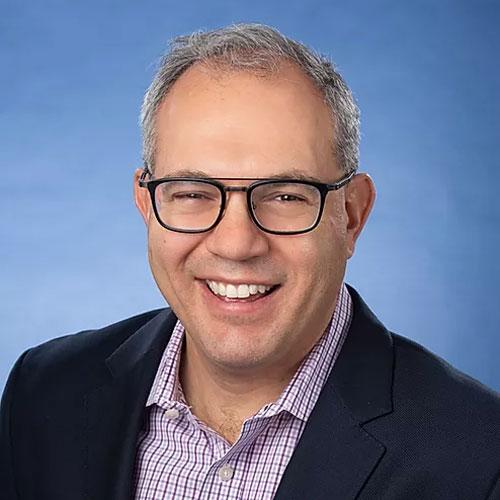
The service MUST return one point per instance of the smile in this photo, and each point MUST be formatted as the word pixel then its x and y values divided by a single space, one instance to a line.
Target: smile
pixel 239 290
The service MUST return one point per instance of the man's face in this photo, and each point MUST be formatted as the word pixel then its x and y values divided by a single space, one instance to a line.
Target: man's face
pixel 239 125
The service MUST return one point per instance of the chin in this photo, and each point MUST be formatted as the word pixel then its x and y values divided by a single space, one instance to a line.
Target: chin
pixel 239 354
pixel 240 363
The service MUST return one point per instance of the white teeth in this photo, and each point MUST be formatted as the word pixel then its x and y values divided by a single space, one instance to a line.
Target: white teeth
pixel 213 286
pixel 242 291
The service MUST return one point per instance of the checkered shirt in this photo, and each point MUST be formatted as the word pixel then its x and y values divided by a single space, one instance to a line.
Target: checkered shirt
pixel 179 457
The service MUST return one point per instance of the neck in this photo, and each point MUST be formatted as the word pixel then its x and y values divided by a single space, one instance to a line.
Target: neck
pixel 224 399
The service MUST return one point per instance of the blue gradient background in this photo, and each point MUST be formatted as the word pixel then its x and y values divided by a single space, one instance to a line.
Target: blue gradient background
pixel 426 76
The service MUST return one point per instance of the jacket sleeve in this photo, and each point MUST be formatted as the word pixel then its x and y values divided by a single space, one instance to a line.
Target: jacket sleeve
pixel 7 412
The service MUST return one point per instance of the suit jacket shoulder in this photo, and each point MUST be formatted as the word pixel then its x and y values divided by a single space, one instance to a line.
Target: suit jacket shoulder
pixel 76 361
pixel 56 397
pixel 443 433
pixel 424 379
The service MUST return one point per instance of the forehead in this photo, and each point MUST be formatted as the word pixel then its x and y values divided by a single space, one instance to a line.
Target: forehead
pixel 235 123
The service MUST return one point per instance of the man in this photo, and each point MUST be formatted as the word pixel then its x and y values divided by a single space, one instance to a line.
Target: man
pixel 268 378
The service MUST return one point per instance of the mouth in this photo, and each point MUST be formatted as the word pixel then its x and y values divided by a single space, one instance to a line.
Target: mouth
pixel 240 292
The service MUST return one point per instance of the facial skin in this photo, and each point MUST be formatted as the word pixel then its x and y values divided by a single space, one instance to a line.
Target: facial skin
pixel 236 124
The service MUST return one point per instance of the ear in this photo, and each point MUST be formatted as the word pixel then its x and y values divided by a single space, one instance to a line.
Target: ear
pixel 359 199
pixel 141 197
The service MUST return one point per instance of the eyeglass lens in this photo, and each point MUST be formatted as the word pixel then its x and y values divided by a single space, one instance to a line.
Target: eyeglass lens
pixel 195 206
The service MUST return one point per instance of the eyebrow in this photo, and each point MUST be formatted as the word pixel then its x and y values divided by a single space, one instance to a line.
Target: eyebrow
pixel 294 173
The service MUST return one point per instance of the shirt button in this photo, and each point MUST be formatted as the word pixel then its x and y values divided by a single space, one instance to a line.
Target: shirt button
pixel 226 472
pixel 172 413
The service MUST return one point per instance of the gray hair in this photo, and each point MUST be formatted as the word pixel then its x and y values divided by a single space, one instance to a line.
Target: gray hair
pixel 258 49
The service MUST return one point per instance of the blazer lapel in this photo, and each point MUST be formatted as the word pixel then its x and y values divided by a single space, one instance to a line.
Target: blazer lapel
pixel 115 410
pixel 335 455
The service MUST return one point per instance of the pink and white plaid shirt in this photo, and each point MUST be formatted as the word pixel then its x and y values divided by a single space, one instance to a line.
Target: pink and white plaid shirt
pixel 179 457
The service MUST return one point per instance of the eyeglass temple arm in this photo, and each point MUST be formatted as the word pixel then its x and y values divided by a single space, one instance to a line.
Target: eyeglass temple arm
pixel 145 173
pixel 342 182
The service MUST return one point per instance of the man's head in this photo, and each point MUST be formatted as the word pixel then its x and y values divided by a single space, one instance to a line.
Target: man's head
pixel 260 50
pixel 245 102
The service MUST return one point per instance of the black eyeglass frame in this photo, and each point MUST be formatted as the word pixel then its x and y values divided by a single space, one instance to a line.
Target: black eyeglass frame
pixel 323 189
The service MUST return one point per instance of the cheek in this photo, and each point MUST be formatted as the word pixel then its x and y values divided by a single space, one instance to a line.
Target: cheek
pixel 321 258
pixel 335 229
pixel 312 257
pixel 168 250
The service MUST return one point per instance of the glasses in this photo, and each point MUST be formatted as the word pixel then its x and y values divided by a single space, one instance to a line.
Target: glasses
pixel 276 206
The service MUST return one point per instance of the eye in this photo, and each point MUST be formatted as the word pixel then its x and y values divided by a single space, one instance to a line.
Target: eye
pixel 286 197
pixel 285 194
pixel 190 196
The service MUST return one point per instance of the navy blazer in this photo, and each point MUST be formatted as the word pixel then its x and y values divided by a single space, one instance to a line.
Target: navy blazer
pixel 393 421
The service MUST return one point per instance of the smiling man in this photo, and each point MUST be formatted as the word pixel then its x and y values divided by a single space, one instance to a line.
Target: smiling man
pixel 268 377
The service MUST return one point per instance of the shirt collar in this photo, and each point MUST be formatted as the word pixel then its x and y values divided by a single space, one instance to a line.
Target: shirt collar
pixel 165 388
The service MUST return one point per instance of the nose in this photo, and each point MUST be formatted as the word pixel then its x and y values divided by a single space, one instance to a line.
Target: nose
pixel 236 237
